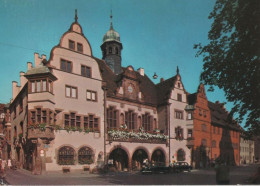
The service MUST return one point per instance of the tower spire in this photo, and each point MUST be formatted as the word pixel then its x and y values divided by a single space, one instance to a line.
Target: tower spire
pixel 76 16
pixel 111 24
pixel 177 70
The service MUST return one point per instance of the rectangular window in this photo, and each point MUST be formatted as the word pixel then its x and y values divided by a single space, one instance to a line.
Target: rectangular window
pixel 33 116
pixel 178 114
pixel 44 116
pixel 38 86
pixel 112 117
pixel 85 122
pixel 65 65
pixel 72 119
pixel 130 120
pixel 78 121
pixel 72 44
pixel 179 97
pixel 179 133
pixel 79 47
pixel 147 122
pixel 95 123
pixel 91 121
pixel 189 133
pixel 33 87
pixel 91 95
pixel 71 92
pixel 44 85
pixel 67 120
pixel 189 115
pixel 38 110
pixel 85 71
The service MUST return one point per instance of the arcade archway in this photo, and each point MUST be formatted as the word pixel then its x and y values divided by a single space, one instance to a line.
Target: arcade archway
pixel 138 159
pixel 118 159
pixel 158 157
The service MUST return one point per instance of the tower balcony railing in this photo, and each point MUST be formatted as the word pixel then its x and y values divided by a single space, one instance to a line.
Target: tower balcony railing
pixel 135 136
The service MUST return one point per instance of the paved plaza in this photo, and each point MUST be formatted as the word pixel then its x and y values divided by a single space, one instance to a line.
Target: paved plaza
pixel 238 175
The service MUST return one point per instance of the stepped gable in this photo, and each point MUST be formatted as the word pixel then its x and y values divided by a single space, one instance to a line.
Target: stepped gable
pixel 219 116
pixel 164 90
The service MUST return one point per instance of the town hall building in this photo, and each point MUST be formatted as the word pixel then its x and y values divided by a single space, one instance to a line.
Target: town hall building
pixel 74 111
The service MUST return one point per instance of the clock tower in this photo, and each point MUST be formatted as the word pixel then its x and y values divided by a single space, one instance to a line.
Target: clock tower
pixel 111 49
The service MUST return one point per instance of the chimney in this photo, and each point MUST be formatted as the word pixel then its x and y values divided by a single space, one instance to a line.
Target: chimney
pixel 161 80
pixel 16 89
pixel 23 80
pixel 29 65
pixel 37 59
pixel 141 71
pixel 43 56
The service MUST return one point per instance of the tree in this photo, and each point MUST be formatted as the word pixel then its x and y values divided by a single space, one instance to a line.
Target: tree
pixel 231 58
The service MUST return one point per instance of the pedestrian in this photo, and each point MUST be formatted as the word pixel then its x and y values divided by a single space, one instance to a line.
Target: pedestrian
pixel 3 166
pixel 222 173
pixel 9 163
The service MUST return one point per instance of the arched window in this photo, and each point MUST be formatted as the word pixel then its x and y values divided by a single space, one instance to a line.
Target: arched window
pixel 66 156
pixel 85 155
pixel 180 155
pixel 110 50
pixel 213 143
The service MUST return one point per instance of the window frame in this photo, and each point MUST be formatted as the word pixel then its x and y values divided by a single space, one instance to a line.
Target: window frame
pixel 73 42
pixel 66 65
pixel 78 43
pixel 91 93
pixel 71 87
pixel 179 97
pixel 85 71
pixel 178 114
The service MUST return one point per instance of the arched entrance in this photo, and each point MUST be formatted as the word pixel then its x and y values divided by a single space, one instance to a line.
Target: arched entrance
pixel 118 159
pixel 180 155
pixel 158 157
pixel 138 159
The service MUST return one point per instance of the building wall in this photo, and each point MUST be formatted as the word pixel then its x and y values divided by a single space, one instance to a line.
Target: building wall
pixel 246 151
pixel 179 106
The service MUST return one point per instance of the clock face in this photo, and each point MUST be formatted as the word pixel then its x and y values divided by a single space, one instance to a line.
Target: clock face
pixel 130 89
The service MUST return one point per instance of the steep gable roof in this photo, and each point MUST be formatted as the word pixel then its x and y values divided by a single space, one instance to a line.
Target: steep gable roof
pixel 164 90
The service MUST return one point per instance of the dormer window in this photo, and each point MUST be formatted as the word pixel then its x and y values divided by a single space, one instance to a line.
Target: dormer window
pixel 79 47
pixel 71 45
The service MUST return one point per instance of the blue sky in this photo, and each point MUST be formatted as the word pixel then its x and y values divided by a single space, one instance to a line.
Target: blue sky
pixel 157 35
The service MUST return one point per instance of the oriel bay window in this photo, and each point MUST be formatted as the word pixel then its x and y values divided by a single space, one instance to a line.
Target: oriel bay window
pixel 40 85
pixel 112 117
pixel 130 119
pixel 147 122
pixel 40 115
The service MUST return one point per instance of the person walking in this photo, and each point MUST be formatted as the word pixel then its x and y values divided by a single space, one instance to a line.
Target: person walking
pixel 9 163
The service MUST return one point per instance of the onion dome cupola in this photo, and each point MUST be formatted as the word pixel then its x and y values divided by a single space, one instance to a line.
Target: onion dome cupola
pixel 111 49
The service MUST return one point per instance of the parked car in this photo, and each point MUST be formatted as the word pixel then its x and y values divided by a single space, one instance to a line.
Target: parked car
pixel 155 169
pixel 181 166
